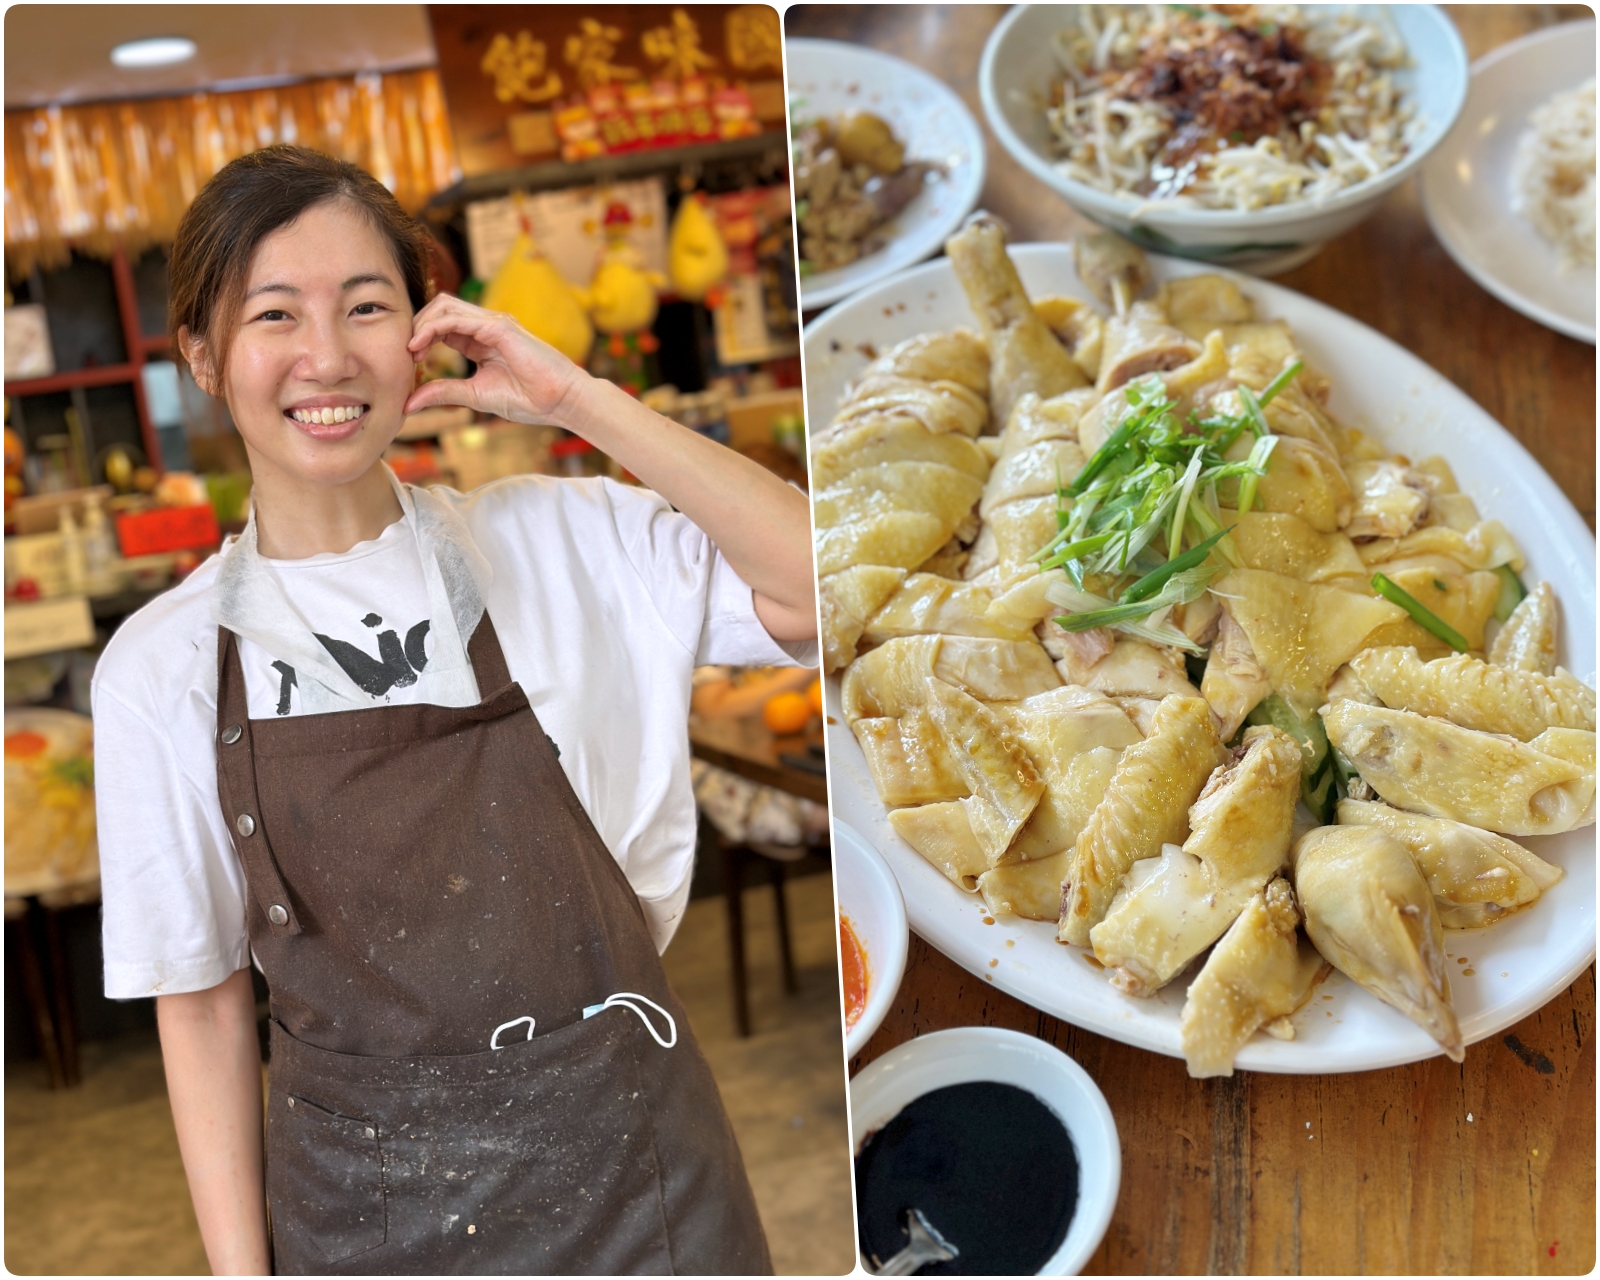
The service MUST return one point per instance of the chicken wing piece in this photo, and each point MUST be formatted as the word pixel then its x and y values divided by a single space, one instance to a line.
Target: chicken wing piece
pixel 1145 806
pixel 1431 766
pixel 1234 682
pixel 1371 915
pixel 909 759
pixel 927 604
pixel 1575 746
pixel 1024 355
pixel 928 487
pixel 1240 824
pixel 1475 694
pixel 1256 976
pixel 1033 472
pixel 1005 786
pixel 1527 642
pixel 871 441
pixel 1301 632
pixel 959 355
pixel 846 600
pixel 1032 888
pixel 942 835
pixel 1239 833
pixel 1476 876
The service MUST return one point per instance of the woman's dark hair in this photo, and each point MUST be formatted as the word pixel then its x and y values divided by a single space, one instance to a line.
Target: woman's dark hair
pixel 248 200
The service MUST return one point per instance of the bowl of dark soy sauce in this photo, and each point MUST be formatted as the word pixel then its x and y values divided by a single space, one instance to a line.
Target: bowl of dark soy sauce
pixel 1001 1141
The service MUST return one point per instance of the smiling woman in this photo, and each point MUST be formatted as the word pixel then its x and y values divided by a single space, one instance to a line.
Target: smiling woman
pixel 457 902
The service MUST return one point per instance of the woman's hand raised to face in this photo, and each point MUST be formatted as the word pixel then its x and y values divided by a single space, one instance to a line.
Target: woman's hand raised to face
pixel 518 378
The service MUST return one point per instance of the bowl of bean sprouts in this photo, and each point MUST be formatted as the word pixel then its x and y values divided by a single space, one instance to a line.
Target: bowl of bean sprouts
pixel 1243 135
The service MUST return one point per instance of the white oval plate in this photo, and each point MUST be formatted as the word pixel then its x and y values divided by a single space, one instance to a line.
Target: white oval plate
pixel 870 897
pixel 829 76
pixel 1518 964
pixel 1466 183
pixel 887 1085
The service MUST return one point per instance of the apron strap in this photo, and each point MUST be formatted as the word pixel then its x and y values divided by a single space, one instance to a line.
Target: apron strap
pixel 487 658
pixel 236 784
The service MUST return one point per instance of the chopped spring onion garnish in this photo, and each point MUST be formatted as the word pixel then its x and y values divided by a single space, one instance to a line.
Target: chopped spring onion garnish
pixel 1424 617
pixel 1153 581
pixel 1145 618
pixel 1289 374
pixel 1150 488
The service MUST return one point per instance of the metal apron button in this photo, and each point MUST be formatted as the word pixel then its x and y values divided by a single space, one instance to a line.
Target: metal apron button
pixel 246 825
pixel 278 915
pixel 232 734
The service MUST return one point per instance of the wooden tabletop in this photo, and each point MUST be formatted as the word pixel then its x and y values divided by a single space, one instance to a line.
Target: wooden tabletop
pixel 1224 1176
pixel 750 749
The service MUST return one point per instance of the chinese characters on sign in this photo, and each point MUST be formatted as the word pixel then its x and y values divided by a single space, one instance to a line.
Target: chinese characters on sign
pixel 526 83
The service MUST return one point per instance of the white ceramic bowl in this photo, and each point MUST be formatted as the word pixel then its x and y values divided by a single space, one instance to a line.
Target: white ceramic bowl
pixel 869 897
pixel 1014 80
pixel 1466 186
pixel 888 1084
pixel 827 77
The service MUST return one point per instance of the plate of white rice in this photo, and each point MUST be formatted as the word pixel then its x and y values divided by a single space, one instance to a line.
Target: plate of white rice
pixel 1511 192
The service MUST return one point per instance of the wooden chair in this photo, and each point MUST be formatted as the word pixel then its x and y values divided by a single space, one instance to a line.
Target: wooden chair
pixel 737 858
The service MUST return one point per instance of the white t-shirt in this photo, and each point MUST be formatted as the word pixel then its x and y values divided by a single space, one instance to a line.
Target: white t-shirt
pixel 604 599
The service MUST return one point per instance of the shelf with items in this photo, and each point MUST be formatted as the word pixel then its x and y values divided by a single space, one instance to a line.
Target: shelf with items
pixel 139 348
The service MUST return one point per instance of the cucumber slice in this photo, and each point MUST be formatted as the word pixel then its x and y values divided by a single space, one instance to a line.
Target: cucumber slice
pixel 1309 734
pixel 1321 792
pixel 1320 784
pixel 1511 592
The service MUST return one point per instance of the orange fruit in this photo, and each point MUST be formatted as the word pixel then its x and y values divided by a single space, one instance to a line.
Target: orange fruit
pixel 787 713
pixel 814 696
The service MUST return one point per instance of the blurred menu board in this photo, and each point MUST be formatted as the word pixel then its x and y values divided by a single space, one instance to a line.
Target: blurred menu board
pixel 529 83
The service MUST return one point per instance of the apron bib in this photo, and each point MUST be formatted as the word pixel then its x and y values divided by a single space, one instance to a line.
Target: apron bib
pixel 424 884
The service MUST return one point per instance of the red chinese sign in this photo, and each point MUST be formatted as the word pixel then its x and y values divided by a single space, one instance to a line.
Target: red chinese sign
pixel 526 83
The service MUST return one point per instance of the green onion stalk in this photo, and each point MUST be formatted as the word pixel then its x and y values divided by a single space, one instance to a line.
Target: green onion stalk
pixel 1124 520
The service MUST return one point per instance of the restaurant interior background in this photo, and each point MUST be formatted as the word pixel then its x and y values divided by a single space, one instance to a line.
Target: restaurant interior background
pixel 618 179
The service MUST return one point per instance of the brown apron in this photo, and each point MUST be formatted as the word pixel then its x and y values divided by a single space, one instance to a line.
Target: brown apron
pixel 424 881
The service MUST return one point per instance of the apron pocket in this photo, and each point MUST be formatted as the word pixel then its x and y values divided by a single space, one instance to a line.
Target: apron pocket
pixel 325 1174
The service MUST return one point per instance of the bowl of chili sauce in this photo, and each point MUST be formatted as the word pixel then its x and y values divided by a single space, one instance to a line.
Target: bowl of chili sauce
pixel 1003 1143
pixel 872 935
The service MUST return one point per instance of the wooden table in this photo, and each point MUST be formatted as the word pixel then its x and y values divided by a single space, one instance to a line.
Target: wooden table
pixel 1223 1176
pixel 750 749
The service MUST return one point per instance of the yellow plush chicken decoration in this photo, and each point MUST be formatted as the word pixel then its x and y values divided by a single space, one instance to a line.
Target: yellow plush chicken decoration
pixel 529 289
pixel 622 296
pixel 697 257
